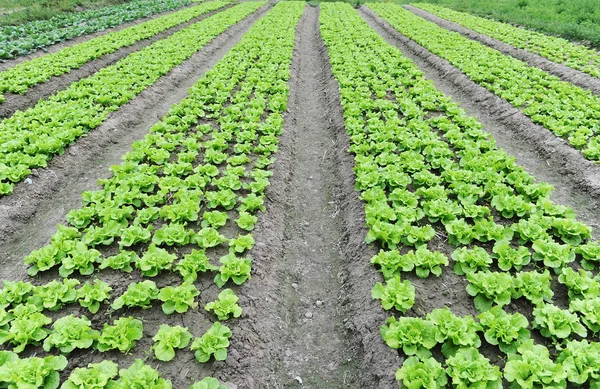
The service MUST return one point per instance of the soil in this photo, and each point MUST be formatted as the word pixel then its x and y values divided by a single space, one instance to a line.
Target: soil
pixel 563 72
pixel 16 102
pixel 312 322
pixel 543 154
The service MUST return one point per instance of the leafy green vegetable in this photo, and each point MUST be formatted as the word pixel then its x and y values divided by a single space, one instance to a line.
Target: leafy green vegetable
pixel 581 361
pixel 470 260
pixel 413 335
pixel 54 294
pixel 507 331
pixel 141 376
pixel 214 342
pixel 208 383
pixel 90 295
pixel 532 368
pixel 167 339
pixel 469 369
pixel 121 335
pixel 554 322
pixel 27 327
pixel 31 372
pixel 96 375
pixel 138 294
pixel 154 260
pixel 226 305
pixel 194 263
pixel 396 294
pixel 69 333
pixel 490 288
pixel 417 374
pixel 178 298
pixel 233 268
pixel 454 332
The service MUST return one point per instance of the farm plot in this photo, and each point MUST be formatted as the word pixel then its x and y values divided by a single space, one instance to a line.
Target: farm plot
pixel 313 213
pixel 200 156
pixel 568 111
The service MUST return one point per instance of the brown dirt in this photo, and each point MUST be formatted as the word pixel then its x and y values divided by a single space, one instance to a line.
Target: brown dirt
pixel 16 102
pixel 543 154
pixel 9 63
pixel 563 72
pixel 29 216
pixel 312 322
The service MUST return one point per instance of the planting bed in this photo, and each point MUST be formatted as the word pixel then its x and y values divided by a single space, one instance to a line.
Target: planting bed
pixel 276 195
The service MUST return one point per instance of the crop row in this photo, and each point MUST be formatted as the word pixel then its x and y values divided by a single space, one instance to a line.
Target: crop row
pixel 21 77
pixel 568 111
pixel 25 38
pixel 185 195
pixel 36 372
pixel 28 139
pixel 433 180
pixel 556 49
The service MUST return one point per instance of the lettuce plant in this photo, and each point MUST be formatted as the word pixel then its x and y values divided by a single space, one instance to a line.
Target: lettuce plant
pixel 208 383
pixel 454 332
pixel 534 286
pixel 70 332
pixel 581 361
pixel 172 234
pixel 81 259
pixel 570 231
pixel 590 255
pixel 413 335
pixel 469 369
pixel 135 234
pixel 121 262
pixel 193 263
pixel 392 262
pixel 140 375
pixel 225 305
pixel 589 311
pixel 553 254
pixel 246 221
pixel 241 243
pixel 507 331
pixel 429 261
pixel 121 335
pixel 209 237
pixel 532 368
pixel 490 288
pixel 14 293
pixel 138 294
pixel 580 284
pixel 470 260
pixel 54 294
pixel 94 376
pixel 557 323
pixel 396 294
pixel 27 327
pixel 426 373
pixel 154 260
pixel 214 342
pixel 91 295
pixel 233 268
pixel 178 298
pixel 169 338
pixel 214 219
pixel 509 258
pixel 31 372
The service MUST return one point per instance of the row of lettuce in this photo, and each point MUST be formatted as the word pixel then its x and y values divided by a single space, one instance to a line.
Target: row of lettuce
pixel 28 139
pixel 438 191
pixel 20 78
pixel 559 50
pixel 23 39
pixel 568 111
pixel 185 196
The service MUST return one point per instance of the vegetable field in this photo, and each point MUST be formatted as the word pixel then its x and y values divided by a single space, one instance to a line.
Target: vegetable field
pixel 257 194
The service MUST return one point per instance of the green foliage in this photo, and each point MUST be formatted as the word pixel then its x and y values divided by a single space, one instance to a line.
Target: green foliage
pixel 54 294
pixel 233 268
pixel 167 339
pixel 226 305
pixel 31 372
pixel 214 342
pixel 95 376
pixel 534 286
pixel 416 374
pixel 507 331
pixel 470 260
pixel 138 294
pixel 121 335
pixel 178 298
pixel 154 260
pixel 194 263
pixel 557 323
pixel 90 295
pixel 532 368
pixel 27 327
pixel 490 288
pixel 140 375
pixel 581 361
pixel 396 294
pixel 469 369
pixel 454 332
pixel 413 335
pixel 208 383
pixel 70 332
